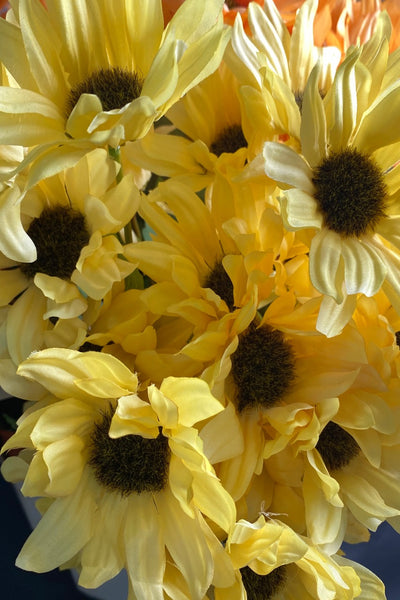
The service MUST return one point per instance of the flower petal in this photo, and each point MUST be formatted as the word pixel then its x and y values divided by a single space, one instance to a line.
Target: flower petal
pixel 284 165
pixel 61 533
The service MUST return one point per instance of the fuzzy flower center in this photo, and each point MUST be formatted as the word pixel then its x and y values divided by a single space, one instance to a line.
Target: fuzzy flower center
pixel 130 463
pixel 59 234
pixel 336 446
pixel 114 86
pixel 350 192
pixel 263 587
pixel 263 367
pixel 229 140
pixel 220 283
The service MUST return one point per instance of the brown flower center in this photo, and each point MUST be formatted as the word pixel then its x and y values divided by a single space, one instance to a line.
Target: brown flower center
pixel 263 587
pixel 59 234
pixel 350 191
pixel 336 446
pixel 128 464
pixel 229 140
pixel 220 283
pixel 114 86
pixel 263 367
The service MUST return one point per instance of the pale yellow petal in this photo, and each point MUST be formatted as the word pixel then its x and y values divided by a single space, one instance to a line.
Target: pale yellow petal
pixel 43 48
pixel 345 104
pixel 103 556
pixel 302 55
pixel 222 436
pixel 59 368
pixel 185 541
pixel 192 397
pixel 15 243
pixel 313 122
pixel 213 500
pixel 13 282
pixel 25 324
pixel 65 463
pixel 144 547
pixel 286 166
pixel 364 267
pixel 364 500
pixel 62 532
pixel 333 317
pixel 271 35
pixel 380 123
pixel 326 263
pixel 300 210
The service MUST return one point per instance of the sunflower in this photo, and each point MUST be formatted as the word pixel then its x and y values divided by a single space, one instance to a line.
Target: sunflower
pixel 60 251
pixel 210 265
pixel 343 185
pixel 67 98
pixel 217 136
pixel 331 464
pixel 125 473
pixel 272 561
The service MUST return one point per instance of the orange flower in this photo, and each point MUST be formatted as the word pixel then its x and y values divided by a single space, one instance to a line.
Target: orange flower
pixel 233 7
pixel 169 9
pixel 230 9
pixel 343 23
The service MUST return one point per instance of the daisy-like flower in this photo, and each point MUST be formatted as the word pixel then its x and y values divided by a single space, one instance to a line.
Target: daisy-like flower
pixel 212 265
pixel 124 471
pixel 59 251
pixel 335 459
pixel 343 185
pixel 217 136
pixel 81 85
pixel 272 561
pixel 273 65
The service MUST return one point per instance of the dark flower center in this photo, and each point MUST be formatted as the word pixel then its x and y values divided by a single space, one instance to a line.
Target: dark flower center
pixel 350 192
pixel 131 463
pixel 229 140
pixel 220 283
pixel 263 367
pixel 59 234
pixel 336 446
pixel 263 587
pixel 114 86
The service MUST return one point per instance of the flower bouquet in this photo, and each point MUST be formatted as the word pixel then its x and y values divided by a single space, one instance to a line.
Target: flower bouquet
pixel 200 291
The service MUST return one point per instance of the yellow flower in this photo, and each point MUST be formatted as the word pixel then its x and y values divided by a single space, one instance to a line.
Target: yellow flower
pixel 83 76
pixel 58 250
pixel 271 560
pixel 127 476
pixel 339 454
pixel 273 65
pixel 344 185
pixel 217 135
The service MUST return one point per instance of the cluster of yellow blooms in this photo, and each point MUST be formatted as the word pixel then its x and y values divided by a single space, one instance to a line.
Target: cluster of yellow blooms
pixel 200 294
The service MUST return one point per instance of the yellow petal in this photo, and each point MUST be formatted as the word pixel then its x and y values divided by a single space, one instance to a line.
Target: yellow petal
pixel 193 398
pixel 59 368
pixel 62 532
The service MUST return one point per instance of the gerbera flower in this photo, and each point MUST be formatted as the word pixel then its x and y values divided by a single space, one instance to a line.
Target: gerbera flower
pixel 127 476
pixel 272 561
pixel 344 187
pixel 73 96
pixel 59 250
